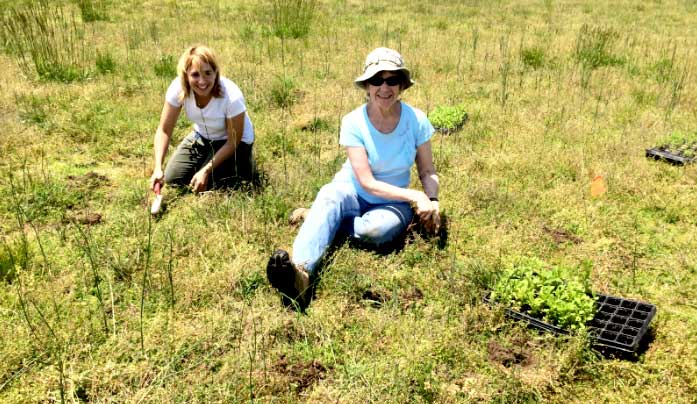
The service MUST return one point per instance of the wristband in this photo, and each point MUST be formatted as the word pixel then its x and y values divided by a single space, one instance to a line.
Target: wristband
pixel 433 199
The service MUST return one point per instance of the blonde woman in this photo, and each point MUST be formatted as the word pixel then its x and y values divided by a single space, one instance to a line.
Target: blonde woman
pixel 218 151
pixel 369 199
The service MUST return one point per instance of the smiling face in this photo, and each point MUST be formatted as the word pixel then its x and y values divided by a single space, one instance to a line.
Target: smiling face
pixel 201 77
pixel 384 89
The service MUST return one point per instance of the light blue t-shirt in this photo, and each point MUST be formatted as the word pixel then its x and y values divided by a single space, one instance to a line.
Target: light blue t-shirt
pixel 390 155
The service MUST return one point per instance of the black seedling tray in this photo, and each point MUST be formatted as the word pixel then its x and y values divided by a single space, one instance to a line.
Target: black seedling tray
pixel 447 131
pixel 619 325
pixel 683 153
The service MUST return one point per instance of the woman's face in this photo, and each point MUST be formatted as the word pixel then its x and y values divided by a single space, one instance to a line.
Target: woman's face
pixel 201 77
pixel 384 89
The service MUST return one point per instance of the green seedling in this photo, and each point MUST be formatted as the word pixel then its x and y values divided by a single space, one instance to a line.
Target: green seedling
pixel 558 295
pixel 448 118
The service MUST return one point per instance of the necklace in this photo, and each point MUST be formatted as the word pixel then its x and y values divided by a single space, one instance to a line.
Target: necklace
pixel 202 103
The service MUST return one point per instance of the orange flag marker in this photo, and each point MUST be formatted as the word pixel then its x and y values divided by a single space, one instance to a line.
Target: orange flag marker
pixel 598 187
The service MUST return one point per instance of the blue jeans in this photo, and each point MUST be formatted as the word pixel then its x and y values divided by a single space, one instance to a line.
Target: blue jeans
pixel 339 208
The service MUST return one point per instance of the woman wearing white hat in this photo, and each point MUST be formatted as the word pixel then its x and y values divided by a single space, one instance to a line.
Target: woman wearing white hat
pixel 369 198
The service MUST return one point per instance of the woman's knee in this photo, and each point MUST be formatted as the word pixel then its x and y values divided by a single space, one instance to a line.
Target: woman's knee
pixel 375 231
pixel 383 225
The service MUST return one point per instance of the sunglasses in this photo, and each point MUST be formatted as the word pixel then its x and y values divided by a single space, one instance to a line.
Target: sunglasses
pixel 391 81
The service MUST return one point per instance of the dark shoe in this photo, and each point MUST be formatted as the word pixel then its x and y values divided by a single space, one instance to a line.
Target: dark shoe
pixel 282 276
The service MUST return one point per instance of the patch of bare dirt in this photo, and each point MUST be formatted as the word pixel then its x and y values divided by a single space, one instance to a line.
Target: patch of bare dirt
pixel 518 353
pixel 300 375
pixel 411 297
pixel 561 236
pixel 90 180
pixel 83 217
pixel 375 298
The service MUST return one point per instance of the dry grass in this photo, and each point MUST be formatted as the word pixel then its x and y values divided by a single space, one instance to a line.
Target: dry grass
pixel 515 180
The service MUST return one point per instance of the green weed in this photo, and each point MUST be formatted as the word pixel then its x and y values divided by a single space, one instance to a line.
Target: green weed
pixel 92 10
pixel 15 256
pixel 292 18
pixel 283 92
pixel 105 62
pixel 533 58
pixel 504 70
pixel 594 45
pixel 48 40
pixel 165 67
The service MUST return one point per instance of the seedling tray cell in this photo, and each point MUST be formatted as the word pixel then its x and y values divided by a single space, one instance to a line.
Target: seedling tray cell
pixel 680 154
pixel 619 325
pixel 448 131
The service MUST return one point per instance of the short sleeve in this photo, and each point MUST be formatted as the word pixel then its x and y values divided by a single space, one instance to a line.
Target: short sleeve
pixel 172 95
pixel 234 101
pixel 426 130
pixel 350 135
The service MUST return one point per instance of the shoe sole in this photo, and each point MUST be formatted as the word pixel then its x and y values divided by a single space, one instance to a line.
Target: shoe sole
pixel 281 275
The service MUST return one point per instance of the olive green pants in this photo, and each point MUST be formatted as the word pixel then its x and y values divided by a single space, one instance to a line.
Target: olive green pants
pixel 195 151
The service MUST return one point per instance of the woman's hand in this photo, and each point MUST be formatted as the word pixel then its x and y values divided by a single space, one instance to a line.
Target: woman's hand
pixel 157 177
pixel 428 211
pixel 200 180
pixel 432 224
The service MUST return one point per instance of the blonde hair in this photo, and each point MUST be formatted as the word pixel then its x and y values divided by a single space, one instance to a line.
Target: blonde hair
pixel 200 54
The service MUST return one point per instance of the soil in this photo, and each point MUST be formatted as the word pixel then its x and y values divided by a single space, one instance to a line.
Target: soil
pixel 90 180
pixel 375 298
pixel 411 297
pixel 519 353
pixel 302 375
pixel 84 217
pixel 562 236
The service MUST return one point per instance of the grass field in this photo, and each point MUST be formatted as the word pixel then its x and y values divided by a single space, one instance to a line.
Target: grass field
pixel 100 302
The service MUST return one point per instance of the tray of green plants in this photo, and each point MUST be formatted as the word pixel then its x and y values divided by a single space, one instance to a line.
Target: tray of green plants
pixel 448 119
pixel 559 300
pixel 677 148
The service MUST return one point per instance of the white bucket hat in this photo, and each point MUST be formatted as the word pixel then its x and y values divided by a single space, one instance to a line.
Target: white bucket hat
pixel 383 59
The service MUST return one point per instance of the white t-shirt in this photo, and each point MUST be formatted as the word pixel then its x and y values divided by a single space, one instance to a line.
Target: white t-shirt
pixel 209 121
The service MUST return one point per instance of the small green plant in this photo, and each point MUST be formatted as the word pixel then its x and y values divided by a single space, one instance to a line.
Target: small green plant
pixel 14 257
pixel 105 62
pixel 662 70
pixel 677 138
pixel 165 67
pixel 594 46
pixel 292 18
pixel 558 295
pixel 283 92
pixel 317 125
pixel 533 58
pixel 448 118
pixel 92 10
